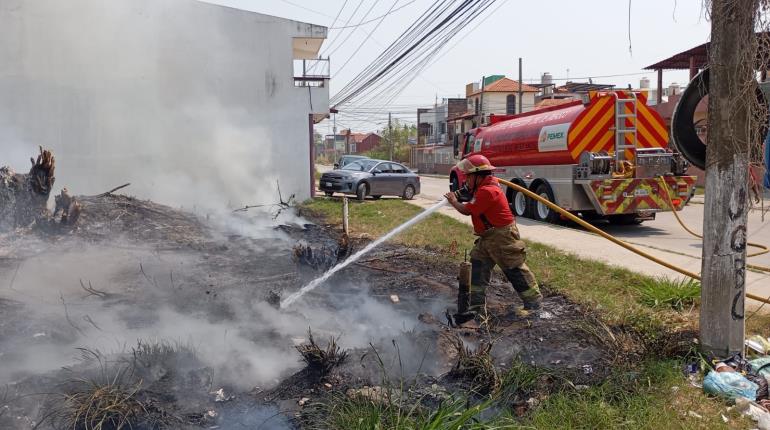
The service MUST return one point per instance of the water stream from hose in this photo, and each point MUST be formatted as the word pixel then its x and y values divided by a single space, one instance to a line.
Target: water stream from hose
pixel 355 257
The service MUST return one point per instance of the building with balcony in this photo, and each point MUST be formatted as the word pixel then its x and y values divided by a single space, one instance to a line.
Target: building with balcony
pixel 193 103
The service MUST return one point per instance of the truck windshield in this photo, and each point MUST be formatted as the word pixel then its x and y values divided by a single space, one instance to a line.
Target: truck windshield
pixel 468 143
pixel 360 166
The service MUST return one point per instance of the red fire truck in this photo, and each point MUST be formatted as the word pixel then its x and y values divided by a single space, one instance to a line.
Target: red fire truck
pixel 607 158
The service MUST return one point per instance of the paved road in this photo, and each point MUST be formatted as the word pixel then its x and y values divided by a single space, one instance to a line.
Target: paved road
pixel 663 237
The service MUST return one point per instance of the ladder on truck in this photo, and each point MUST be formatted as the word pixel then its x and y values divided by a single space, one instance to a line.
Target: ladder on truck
pixel 621 130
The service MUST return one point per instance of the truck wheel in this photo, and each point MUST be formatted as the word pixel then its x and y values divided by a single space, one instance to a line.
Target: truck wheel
pixel 519 203
pixel 361 191
pixel 408 193
pixel 540 211
pixel 454 184
pixel 329 193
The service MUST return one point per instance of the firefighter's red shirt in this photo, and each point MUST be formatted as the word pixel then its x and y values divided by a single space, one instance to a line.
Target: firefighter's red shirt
pixel 489 203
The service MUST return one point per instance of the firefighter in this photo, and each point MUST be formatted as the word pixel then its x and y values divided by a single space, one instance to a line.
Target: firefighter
pixel 499 242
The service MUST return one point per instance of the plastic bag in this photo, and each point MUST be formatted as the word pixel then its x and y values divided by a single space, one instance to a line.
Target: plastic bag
pixel 761 365
pixel 730 385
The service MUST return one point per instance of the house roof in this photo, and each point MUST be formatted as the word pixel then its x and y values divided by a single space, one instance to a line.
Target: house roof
pixel 505 85
pixel 582 87
pixel 700 54
pixel 464 115
pixel 553 102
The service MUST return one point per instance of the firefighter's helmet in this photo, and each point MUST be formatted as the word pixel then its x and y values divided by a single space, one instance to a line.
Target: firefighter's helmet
pixel 474 164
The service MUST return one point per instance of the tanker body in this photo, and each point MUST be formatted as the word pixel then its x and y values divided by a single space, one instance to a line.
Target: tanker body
pixel 607 158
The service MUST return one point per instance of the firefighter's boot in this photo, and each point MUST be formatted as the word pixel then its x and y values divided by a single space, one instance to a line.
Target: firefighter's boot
pixel 481 272
pixel 523 281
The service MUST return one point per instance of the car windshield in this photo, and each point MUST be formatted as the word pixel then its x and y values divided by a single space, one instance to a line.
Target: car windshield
pixel 360 166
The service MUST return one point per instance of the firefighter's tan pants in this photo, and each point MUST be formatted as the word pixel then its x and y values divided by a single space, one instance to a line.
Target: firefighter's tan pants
pixel 501 246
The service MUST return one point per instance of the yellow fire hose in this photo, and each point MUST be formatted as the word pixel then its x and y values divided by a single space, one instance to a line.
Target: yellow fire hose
pixel 625 245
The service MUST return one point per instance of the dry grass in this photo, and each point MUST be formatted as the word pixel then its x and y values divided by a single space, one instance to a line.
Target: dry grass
pixel 476 366
pixel 320 359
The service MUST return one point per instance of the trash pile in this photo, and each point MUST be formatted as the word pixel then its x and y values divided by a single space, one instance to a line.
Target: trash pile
pixel 743 379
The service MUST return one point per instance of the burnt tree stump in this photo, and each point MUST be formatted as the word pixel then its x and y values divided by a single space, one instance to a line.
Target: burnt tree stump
pixel 24 197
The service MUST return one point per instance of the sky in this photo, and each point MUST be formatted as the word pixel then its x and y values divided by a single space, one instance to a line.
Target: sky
pixel 569 39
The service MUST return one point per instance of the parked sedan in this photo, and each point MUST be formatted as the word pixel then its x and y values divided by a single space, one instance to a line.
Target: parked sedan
pixel 347 159
pixel 374 178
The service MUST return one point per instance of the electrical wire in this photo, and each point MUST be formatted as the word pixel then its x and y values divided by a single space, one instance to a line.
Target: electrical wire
pixel 373 19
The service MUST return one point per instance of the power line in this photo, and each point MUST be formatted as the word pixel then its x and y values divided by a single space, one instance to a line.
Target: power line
pixel 368 36
pixel 373 19
pixel 306 8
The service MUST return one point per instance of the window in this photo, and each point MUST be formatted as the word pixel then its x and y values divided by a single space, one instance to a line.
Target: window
pixel 442 127
pixel 382 168
pixel 352 147
pixel 468 143
pixel 510 104
pixel 397 168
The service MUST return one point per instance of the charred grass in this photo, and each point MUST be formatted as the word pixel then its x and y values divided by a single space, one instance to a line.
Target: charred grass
pixel 647 324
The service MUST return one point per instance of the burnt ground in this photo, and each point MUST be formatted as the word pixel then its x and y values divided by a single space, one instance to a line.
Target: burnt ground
pixel 182 302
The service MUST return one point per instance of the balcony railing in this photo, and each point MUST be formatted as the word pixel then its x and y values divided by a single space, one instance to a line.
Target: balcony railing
pixel 311 73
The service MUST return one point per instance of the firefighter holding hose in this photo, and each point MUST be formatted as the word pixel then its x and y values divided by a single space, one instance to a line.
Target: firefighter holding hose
pixel 499 242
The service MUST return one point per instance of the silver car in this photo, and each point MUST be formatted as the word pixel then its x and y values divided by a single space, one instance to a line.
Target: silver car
pixel 374 178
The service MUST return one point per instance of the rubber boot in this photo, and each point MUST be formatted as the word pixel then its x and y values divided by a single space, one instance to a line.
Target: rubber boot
pixel 526 288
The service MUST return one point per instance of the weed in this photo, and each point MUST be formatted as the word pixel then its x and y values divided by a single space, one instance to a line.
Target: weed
pixel 106 401
pixel 476 366
pixel 664 292
pixel 319 359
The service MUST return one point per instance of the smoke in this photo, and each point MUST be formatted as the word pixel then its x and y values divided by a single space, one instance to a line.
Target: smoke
pixel 108 298
pixel 191 103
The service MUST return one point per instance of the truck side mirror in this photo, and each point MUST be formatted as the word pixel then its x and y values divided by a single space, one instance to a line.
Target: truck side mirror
pixel 456 146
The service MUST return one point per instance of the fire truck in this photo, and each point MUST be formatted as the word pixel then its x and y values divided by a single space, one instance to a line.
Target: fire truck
pixel 604 157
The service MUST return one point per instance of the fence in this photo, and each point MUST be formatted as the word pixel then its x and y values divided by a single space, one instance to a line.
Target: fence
pixel 434 159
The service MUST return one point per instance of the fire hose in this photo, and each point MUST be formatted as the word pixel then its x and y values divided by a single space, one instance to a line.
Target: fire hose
pixel 593 229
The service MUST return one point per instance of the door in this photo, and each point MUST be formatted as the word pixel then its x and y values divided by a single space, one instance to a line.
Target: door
pixel 379 180
pixel 400 177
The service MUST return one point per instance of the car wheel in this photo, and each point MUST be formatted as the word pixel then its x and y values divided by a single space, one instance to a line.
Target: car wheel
pixel 329 193
pixel 540 210
pixel 377 197
pixel 361 191
pixel 408 193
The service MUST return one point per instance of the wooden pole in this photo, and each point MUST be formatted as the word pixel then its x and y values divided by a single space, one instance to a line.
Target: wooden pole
pixel 659 96
pixel 345 217
pixel 732 55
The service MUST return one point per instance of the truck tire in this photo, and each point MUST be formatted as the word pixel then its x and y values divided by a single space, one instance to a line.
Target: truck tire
pixel 540 211
pixel 454 183
pixel 519 203
pixel 361 190
pixel 683 132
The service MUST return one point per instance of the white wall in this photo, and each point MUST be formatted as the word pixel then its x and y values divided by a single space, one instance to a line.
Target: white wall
pixel 192 103
pixel 495 102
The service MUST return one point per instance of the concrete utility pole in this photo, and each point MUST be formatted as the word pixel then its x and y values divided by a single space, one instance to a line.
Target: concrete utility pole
pixel 390 136
pixel 521 91
pixel 481 103
pixel 731 57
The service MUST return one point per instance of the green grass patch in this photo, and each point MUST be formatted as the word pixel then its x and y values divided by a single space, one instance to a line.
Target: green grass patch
pixel 671 293
pixel 375 218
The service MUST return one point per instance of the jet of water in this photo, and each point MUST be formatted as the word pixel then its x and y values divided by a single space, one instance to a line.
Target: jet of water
pixel 355 257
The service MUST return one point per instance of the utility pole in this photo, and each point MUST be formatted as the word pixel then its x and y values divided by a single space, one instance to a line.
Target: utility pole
pixel 481 103
pixel 334 139
pixel 390 136
pixel 732 56
pixel 521 91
